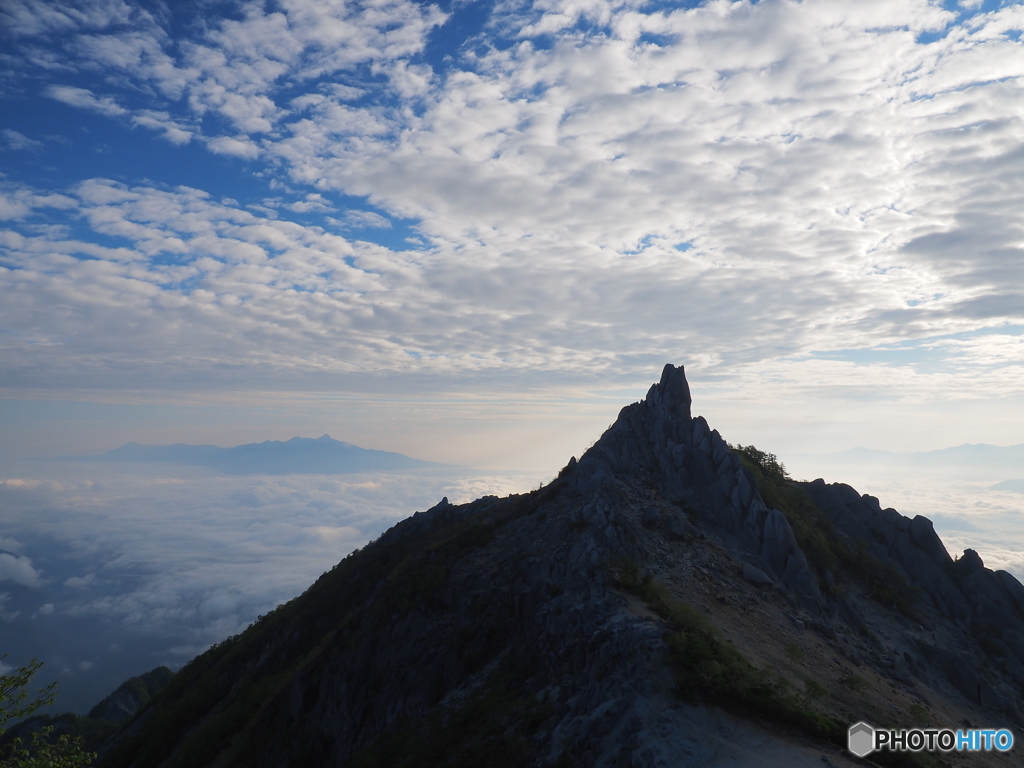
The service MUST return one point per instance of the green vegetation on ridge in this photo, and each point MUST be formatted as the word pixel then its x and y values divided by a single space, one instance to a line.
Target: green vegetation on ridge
pixel 825 548
pixel 709 669
pixel 103 721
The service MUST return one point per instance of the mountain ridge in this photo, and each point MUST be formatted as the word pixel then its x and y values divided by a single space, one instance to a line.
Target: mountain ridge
pixel 666 600
pixel 102 720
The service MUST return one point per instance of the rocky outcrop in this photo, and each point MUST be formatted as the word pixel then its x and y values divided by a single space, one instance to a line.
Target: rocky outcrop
pixel 544 611
pixel 686 460
pixel 911 544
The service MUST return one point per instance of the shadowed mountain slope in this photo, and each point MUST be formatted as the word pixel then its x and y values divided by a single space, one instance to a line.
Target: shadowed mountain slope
pixel 666 601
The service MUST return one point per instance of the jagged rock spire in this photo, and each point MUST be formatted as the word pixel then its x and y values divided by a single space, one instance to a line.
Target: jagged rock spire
pixel 672 393
pixel 659 440
pixel 644 435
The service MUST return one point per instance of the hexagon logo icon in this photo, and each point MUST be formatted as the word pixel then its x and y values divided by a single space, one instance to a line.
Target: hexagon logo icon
pixel 861 739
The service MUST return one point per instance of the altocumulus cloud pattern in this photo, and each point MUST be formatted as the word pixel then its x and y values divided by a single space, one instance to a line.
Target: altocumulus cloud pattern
pixel 246 193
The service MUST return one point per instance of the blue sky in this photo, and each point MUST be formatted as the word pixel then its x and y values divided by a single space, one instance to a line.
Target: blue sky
pixel 438 227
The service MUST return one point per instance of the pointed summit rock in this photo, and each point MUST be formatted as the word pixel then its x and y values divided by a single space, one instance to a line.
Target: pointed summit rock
pixel 672 393
pixel 650 434
pixel 634 612
pixel 657 439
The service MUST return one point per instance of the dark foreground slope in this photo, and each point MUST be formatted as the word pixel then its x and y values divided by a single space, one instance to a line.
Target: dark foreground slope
pixel 646 608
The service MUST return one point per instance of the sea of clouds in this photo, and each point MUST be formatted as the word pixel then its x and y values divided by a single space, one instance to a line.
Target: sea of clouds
pixel 109 571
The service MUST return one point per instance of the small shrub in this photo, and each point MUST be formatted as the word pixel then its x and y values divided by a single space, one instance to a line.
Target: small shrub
pixel 918 713
pixel 856 683
pixel 814 689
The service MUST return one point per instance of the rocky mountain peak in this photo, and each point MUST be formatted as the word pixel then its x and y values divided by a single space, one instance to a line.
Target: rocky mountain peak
pixel 687 461
pixel 666 601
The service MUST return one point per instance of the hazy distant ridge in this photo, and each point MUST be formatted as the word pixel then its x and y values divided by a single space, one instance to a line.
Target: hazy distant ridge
pixel 300 455
pixel 968 453
pixel 1016 486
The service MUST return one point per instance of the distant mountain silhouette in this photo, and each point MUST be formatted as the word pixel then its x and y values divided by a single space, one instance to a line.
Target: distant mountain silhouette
pixel 966 454
pixel 300 455
pixel 1017 486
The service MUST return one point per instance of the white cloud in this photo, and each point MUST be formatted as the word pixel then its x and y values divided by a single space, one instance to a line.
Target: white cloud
pixel 18 141
pixel 37 17
pixel 313 203
pixel 173 131
pixel 235 66
pixel 200 281
pixel 46 609
pixel 19 570
pixel 86 99
pixel 357 219
pixel 344 92
pixel 837 184
pixel 18 202
pixel 78 582
pixel 237 147
pixel 818 138
pixel 11 545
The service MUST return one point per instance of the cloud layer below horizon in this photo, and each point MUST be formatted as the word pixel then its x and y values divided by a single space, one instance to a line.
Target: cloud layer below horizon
pixel 110 570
